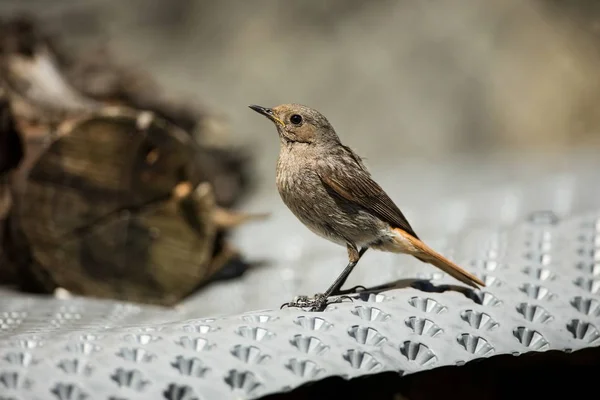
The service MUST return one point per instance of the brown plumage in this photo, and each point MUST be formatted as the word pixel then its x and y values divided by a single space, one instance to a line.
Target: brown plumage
pixel 328 188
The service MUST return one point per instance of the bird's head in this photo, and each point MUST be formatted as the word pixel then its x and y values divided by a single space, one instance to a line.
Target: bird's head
pixel 299 124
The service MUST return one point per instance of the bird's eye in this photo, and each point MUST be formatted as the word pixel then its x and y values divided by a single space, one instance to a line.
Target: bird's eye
pixel 296 119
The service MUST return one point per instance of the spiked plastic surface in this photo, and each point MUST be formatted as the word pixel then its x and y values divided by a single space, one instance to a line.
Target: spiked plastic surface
pixel 543 292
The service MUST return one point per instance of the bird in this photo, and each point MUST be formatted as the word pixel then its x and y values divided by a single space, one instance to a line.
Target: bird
pixel 327 186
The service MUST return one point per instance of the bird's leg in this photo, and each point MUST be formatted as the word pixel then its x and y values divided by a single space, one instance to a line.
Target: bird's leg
pixel 354 256
pixel 321 300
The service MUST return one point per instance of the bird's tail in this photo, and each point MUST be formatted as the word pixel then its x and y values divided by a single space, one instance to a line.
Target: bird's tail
pixel 420 250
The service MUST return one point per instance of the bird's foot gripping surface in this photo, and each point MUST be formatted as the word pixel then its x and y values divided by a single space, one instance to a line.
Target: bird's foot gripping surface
pixel 318 302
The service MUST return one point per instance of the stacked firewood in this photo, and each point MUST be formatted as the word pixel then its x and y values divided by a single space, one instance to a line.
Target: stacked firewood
pixel 107 186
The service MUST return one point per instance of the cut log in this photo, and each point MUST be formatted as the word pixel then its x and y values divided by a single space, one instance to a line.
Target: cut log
pixel 103 212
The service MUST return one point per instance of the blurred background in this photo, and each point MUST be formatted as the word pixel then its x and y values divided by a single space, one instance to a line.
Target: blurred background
pixel 442 98
pixel 396 78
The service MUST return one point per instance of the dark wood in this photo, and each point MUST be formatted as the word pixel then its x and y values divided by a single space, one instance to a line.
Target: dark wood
pixel 11 143
pixel 11 156
pixel 103 215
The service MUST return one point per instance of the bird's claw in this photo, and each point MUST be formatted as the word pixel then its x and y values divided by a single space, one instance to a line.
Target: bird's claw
pixel 316 303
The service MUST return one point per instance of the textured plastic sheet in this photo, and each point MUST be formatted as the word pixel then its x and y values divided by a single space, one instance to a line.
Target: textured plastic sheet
pixel 542 271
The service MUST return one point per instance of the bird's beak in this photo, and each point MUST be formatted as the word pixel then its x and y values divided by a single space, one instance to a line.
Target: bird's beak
pixel 267 112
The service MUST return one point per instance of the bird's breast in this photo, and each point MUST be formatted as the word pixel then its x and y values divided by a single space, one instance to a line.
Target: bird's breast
pixel 304 193
pixel 297 182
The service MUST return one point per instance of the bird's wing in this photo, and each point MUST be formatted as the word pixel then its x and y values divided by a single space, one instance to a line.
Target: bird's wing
pixel 354 184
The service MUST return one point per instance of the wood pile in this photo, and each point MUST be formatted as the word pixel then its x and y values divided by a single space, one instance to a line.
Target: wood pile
pixel 107 188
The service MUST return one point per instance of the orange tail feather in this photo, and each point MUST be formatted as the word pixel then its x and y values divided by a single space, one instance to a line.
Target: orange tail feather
pixel 426 254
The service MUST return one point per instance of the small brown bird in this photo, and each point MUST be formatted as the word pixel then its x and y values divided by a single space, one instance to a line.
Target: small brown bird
pixel 327 187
